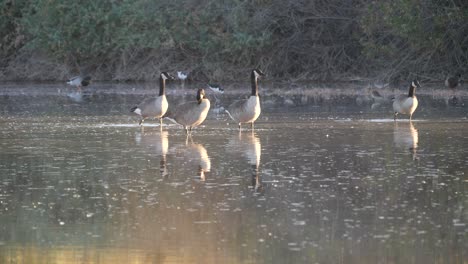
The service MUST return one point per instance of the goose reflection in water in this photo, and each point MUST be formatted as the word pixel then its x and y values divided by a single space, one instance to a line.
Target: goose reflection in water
pixel 158 143
pixel 406 136
pixel 250 147
pixel 195 153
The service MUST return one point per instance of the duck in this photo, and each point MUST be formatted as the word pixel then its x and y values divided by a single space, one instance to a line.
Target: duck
pixel 453 81
pixel 79 81
pixel 406 104
pixel 191 114
pixel 247 110
pixel 154 107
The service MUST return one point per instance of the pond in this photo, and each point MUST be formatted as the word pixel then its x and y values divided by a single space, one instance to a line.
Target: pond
pixel 327 176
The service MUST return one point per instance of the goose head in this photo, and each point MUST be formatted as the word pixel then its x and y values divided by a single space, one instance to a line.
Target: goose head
pixel 258 73
pixel 200 95
pixel 415 84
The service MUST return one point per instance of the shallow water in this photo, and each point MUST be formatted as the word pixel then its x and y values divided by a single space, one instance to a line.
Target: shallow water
pixel 326 178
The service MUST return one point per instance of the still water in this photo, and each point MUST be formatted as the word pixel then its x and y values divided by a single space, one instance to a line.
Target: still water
pixel 326 177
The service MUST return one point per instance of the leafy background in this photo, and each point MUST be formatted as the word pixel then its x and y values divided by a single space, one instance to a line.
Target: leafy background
pixel 220 39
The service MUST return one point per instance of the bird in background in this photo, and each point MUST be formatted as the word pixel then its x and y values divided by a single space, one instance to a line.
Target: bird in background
pixel 453 81
pixel 182 76
pixel 216 88
pixel 79 81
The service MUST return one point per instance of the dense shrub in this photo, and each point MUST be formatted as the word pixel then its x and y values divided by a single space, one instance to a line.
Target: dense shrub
pixel 416 37
pixel 333 39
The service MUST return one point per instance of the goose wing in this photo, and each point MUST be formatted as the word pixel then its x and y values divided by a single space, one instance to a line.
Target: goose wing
pixel 236 108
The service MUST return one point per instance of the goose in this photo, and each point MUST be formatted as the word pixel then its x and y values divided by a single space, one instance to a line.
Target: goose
pixel 192 114
pixel 453 81
pixel 247 110
pixel 154 107
pixel 406 104
pixel 79 81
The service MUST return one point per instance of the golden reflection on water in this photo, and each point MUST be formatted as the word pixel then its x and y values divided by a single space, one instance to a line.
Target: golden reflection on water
pixel 96 255
pixel 248 143
pixel 406 136
pixel 157 143
pixel 200 154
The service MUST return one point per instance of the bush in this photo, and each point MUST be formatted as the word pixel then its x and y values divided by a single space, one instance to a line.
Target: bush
pixel 221 40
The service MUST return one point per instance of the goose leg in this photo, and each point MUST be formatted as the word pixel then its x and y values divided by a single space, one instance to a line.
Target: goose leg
pixel 239 126
pixel 394 116
pixel 252 125
pixel 160 122
pixel 141 122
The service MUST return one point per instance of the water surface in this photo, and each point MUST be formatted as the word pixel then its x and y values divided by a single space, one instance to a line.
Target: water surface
pixel 324 178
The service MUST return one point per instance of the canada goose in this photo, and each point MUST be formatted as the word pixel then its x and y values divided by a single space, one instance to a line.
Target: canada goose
pixel 154 107
pixel 192 114
pixel 247 110
pixel 406 104
pixel 79 81
pixel 453 81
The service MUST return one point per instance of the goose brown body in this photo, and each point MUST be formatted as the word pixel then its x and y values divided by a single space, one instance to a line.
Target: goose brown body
pixel 247 110
pixel 192 114
pixel 154 107
pixel 406 104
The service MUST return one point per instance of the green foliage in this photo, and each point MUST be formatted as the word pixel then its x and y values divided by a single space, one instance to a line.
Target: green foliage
pixel 418 33
pixel 311 39
pixel 11 31
pixel 86 30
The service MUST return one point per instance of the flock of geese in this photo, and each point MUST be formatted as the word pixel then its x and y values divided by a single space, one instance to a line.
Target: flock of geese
pixel 192 114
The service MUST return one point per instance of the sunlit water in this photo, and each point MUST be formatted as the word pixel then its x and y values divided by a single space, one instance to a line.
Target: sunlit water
pixel 325 178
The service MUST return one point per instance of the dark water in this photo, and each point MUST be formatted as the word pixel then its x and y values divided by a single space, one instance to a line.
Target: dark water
pixel 327 177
